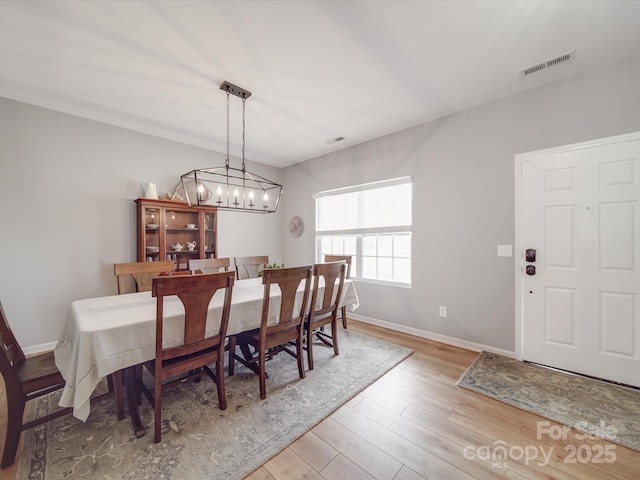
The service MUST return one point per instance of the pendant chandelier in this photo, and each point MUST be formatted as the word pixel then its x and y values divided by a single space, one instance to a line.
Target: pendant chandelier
pixel 231 188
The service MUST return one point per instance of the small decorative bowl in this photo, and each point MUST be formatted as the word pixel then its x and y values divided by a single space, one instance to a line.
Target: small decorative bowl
pixel 152 225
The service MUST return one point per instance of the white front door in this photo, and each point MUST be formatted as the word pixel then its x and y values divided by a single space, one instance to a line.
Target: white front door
pixel 580 211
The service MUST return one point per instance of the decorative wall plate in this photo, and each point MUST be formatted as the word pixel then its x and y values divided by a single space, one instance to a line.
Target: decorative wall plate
pixel 296 226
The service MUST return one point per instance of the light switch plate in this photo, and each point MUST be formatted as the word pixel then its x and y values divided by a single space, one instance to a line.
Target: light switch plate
pixel 505 251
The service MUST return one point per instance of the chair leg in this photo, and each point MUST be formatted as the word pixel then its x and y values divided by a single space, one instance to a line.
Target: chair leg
pixel 139 371
pixel 310 347
pixel 115 381
pixel 157 410
pixel 263 372
pixel 222 396
pixel 246 351
pixel 300 355
pixel 344 317
pixel 133 392
pixel 232 352
pixel 15 410
pixel 334 334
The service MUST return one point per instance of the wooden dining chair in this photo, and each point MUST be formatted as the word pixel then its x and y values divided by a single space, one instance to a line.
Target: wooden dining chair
pixel 347 260
pixel 142 273
pixel 26 378
pixel 324 311
pixel 288 325
pixel 210 265
pixel 174 364
pixel 249 267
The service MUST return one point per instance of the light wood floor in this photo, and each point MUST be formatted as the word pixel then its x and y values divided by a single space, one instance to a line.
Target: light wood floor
pixel 414 423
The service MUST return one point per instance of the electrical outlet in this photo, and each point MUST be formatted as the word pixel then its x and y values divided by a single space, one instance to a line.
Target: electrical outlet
pixel 443 311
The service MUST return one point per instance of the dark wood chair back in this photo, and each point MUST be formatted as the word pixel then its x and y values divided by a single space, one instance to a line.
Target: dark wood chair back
pixel 12 354
pixel 271 339
pixel 328 304
pixel 210 265
pixel 288 280
pixel 338 258
pixel 25 379
pixel 197 350
pixel 195 292
pixel 347 259
pixel 324 310
pixel 249 267
pixel 142 273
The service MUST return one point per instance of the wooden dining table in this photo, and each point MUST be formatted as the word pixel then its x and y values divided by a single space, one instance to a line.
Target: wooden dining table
pixel 115 333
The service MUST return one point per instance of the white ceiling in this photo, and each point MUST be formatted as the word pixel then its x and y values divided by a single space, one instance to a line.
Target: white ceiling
pixel 317 69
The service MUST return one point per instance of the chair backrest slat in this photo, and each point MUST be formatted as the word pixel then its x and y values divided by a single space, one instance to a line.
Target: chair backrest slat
pixel 288 280
pixel 142 273
pixel 330 273
pixel 337 258
pixel 210 265
pixel 195 292
pixel 249 267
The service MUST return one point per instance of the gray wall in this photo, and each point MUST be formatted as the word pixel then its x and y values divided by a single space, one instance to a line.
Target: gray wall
pixel 67 214
pixel 67 187
pixel 463 207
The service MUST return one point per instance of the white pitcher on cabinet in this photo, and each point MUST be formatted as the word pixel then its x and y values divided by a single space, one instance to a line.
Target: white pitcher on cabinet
pixel 150 191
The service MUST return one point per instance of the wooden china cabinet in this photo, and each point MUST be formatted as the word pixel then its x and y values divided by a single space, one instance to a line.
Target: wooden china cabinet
pixel 164 226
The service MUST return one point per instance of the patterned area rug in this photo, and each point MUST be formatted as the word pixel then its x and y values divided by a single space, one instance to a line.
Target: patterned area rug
pixel 598 408
pixel 200 441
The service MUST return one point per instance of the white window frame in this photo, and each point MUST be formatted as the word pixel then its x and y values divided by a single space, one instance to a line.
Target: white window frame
pixel 359 233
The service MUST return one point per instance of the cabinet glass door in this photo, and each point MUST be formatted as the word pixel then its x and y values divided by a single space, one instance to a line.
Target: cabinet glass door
pixel 209 235
pixel 152 234
pixel 182 235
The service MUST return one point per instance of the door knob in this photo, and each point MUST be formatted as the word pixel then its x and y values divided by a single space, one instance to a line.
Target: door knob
pixel 530 255
pixel 531 270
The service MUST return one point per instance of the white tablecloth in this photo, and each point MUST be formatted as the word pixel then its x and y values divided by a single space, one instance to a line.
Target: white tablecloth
pixel 107 334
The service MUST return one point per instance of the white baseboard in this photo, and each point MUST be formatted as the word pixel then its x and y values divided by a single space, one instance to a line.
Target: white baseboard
pixel 35 349
pixel 457 342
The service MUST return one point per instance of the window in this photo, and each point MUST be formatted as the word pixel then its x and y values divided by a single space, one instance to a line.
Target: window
pixel 372 223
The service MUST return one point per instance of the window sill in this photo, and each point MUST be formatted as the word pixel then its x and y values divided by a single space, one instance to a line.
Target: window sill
pixel 381 282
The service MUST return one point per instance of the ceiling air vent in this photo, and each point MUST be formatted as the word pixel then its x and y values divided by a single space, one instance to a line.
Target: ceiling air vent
pixel 548 63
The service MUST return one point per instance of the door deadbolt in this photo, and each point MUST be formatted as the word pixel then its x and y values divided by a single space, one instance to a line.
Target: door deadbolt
pixel 531 270
pixel 530 255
